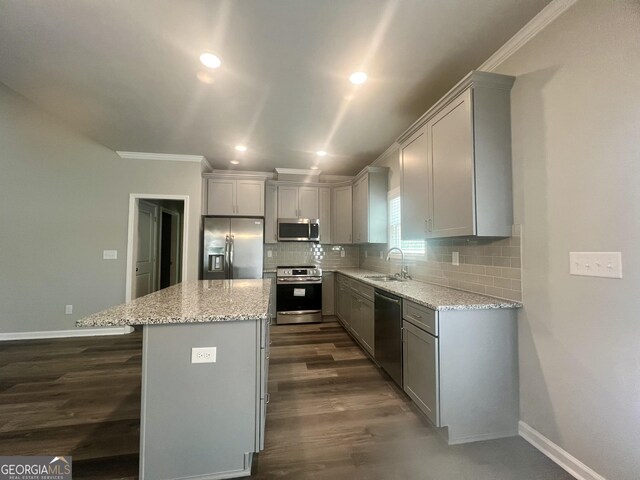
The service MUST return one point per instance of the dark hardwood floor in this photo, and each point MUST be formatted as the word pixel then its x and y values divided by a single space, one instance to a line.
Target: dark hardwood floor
pixel 333 414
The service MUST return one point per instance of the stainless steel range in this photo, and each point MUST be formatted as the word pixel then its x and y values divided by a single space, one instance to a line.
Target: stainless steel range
pixel 298 294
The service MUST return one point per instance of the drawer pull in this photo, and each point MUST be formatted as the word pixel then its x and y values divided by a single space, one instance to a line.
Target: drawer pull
pixel 417 315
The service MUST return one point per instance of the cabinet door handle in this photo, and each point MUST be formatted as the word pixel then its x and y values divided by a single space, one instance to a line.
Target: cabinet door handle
pixel 429 225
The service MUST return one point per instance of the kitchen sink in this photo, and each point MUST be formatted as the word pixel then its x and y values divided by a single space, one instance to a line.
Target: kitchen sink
pixel 385 278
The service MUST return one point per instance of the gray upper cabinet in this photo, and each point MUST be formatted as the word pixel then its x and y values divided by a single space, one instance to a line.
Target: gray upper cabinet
pixel 415 190
pixel 370 206
pixel 324 216
pixel 271 214
pixel 450 156
pixel 235 197
pixel 456 163
pixel 298 202
pixel 342 215
pixel 288 202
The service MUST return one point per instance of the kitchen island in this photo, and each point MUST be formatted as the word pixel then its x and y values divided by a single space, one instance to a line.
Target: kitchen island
pixel 202 411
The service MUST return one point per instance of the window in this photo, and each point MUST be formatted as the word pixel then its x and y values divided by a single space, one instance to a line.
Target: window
pixel 410 247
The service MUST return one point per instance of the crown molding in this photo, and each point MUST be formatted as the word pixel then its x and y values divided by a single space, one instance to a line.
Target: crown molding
pixel 206 162
pixel 238 174
pixel 538 23
pixel 163 156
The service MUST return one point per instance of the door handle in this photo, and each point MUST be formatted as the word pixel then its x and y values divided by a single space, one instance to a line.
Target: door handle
pixel 231 256
pixel 429 225
pixel 388 299
pixel 226 255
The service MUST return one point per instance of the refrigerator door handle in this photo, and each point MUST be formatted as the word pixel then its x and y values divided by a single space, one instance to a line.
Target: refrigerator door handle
pixel 226 257
pixel 231 257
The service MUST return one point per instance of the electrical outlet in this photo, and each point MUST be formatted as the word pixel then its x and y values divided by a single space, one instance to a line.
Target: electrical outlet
pixel 381 254
pixel 269 254
pixel 203 355
pixel 109 254
pixel 342 253
pixel 596 264
pixel 366 254
pixel 68 309
pixel 455 258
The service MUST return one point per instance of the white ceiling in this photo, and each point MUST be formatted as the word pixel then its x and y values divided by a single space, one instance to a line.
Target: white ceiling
pixel 124 72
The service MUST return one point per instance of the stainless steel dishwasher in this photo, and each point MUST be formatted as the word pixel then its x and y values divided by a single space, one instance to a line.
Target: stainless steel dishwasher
pixel 388 334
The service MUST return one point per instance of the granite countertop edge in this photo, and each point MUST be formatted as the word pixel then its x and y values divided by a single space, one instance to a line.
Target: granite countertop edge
pixel 208 301
pixel 483 302
pixel 169 321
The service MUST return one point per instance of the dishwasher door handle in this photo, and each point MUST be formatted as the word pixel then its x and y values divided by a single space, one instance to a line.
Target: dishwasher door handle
pixel 388 299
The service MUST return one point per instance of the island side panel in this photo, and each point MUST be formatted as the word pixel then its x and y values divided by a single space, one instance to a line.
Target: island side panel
pixel 479 396
pixel 198 420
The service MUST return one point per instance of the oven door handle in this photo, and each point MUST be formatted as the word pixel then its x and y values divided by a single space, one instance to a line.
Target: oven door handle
pixel 298 312
pixel 290 281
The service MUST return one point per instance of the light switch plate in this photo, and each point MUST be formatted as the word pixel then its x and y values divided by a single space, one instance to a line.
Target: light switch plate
pixel 68 309
pixel 203 355
pixel 455 258
pixel 109 254
pixel 596 264
pixel 269 254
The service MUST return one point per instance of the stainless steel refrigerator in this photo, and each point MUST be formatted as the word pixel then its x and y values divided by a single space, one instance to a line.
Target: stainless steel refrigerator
pixel 232 248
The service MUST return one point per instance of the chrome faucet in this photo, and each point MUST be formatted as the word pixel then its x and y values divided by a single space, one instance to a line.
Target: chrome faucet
pixel 404 272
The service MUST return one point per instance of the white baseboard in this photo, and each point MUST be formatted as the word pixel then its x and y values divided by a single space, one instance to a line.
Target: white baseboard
pixel 77 332
pixel 560 456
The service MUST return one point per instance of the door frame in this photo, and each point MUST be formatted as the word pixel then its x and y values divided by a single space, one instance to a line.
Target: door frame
pixel 133 197
pixel 175 224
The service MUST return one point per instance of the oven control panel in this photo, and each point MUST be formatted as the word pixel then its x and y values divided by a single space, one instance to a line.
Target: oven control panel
pixel 299 272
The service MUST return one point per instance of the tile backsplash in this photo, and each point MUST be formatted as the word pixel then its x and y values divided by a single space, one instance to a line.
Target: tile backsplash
pixel 302 253
pixel 487 266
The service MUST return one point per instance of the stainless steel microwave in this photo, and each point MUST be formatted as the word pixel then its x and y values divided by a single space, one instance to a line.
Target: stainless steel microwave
pixel 298 230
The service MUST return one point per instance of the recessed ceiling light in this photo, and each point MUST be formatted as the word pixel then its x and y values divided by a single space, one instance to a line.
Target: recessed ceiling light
pixel 234 162
pixel 358 77
pixel 210 60
pixel 314 167
pixel 321 153
pixel 241 148
pixel 204 77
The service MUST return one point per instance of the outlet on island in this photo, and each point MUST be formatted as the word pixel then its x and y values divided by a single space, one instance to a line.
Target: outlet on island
pixel 203 355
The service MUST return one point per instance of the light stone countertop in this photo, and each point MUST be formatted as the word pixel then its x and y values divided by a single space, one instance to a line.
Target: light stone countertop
pixel 195 301
pixel 432 296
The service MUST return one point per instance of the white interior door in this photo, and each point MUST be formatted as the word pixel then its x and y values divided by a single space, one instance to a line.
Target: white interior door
pixel 145 248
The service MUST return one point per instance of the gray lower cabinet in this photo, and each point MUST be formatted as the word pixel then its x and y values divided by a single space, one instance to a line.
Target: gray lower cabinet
pixel 203 420
pixel 355 309
pixel 343 301
pixel 328 294
pixel 272 298
pixel 460 367
pixel 420 372
pixel 366 324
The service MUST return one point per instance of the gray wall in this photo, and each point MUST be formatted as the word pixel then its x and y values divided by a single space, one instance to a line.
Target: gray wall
pixel 63 199
pixel 576 152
